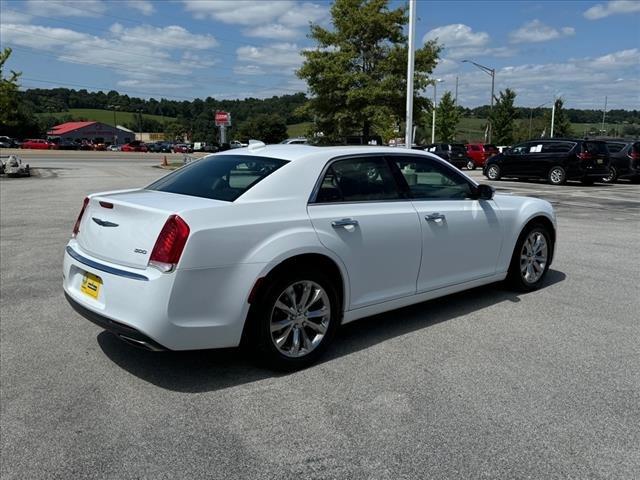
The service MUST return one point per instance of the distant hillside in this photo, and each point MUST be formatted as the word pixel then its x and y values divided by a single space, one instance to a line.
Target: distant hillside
pixel 104 116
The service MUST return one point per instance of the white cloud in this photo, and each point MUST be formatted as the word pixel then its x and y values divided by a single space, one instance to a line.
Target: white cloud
pixel 276 55
pixel 274 31
pixel 145 7
pixel 535 31
pixel 13 16
pixel 302 14
pixel 146 84
pixel 460 41
pixel 248 70
pixel 67 8
pixel 172 36
pixel 613 7
pixel 242 12
pixel 457 35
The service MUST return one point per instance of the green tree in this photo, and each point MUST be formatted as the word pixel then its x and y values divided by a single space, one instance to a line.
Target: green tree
pixel 269 128
pixel 447 118
pixel 357 71
pixel 561 123
pixel 503 118
pixel 16 120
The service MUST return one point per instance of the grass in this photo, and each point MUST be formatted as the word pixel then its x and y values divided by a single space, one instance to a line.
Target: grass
pixel 298 129
pixel 105 116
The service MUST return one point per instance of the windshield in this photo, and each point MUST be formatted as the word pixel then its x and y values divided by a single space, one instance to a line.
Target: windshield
pixel 218 177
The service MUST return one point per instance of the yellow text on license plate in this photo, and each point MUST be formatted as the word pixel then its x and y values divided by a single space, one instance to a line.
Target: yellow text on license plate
pixel 91 285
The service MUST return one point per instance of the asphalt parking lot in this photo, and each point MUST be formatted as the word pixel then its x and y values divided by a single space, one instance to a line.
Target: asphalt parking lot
pixel 482 384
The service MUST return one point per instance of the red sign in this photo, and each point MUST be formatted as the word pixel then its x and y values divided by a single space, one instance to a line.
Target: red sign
pixel 223 119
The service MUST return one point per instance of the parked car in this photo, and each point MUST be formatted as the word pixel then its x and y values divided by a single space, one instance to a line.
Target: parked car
pixel 625 161
pixel 66 145
pixel 154 147
pixel 13 167
pixel 37 144
pixel 8 142
pixel 114 148
pixel 135 146
pixel 556 160
pixel 279 246
pixel 237 144
pixel 295 141
pixel 182 148
pixel 454 153
pixel 205 147
pixel 478 153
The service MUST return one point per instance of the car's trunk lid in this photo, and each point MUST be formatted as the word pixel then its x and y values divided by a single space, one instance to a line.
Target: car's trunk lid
pixel 122 227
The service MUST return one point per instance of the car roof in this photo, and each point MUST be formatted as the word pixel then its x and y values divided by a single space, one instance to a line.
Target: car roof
pixel 295 152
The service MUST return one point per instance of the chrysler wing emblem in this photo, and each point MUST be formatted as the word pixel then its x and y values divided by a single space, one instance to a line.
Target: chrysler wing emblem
pixel 104 223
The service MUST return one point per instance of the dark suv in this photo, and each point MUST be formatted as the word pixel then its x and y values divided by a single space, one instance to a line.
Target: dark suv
pixel 556 160
pixel 454 153
pixel 625 161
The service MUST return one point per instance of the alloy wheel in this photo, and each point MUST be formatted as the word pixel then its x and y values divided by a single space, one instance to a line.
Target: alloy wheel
pixel 556 176
pixel 493 172
pixel 611 177
pixel 533 257
pixel 300 318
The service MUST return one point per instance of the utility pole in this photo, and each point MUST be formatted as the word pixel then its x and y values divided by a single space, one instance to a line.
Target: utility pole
pixel 604 115
pixel 115 125
pixel 492 73
pixel 553 117
pixel 456 90
pixel 531 116
pixel 408 127
pixel 433 115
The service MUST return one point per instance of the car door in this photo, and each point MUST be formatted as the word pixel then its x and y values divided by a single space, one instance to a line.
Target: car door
pixel 360 215
pixel 515 159
pixel 461 235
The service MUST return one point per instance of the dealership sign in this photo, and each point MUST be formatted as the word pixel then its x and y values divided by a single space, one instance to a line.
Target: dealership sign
pixel 223 119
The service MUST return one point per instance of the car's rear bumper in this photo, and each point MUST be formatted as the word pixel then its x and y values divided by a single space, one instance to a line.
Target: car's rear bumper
pixel 183 310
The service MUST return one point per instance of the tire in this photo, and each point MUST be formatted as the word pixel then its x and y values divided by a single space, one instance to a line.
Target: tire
pixel 557 176
pixel 612 177
pixel 266 313
pixel 527 270
pixel 587 181
pixel 471 165
pixel 493 172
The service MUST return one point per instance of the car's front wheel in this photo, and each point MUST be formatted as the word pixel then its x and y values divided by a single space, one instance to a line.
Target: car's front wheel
pixel 530 260
pixel 471 165
pixel 493 172
pixel 295 319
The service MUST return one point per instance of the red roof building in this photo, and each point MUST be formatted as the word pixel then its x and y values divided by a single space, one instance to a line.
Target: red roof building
pixel 94 132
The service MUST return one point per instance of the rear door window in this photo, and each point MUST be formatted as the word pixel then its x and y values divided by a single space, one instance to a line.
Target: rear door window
pixel 615 147
pixel 360 179
pixel 429 179
pixel 597 148
pixel 219 177
pixel 557 147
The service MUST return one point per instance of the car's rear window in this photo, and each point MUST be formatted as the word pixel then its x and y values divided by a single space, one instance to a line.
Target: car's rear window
pixel 488 147
pixel 597 147
pixel 615 147
pixel 218 177
pixel 457 147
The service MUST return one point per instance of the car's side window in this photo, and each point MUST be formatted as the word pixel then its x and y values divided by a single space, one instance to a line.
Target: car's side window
pixel 557 147
pixel 359 179
pixel 428 179
pixel 520 149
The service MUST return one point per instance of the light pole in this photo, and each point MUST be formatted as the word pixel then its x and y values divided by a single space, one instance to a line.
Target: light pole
pixel 139 122
pixel 604 116
pixel 115 124
pixel 433 116
pixel 531 116
pixel 492 73
pixel 408 128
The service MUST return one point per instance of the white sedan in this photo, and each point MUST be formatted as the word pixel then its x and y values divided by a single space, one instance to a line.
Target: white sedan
pixel 275 246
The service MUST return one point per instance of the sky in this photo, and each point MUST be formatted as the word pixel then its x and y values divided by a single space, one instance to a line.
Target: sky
pixel 582 51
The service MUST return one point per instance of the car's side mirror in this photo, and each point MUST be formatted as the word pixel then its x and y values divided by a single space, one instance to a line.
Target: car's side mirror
pixel 484 192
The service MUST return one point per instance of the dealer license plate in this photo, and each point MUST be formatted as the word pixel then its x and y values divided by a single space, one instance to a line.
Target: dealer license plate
pixel 91 285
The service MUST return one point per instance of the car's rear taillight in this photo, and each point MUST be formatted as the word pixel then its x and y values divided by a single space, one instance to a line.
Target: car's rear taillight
pixel 76 227
pixel 585 156
pixel 635 155
pixel 168 248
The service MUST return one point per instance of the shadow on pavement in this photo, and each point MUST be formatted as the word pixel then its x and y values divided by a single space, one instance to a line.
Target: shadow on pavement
pixel 210 370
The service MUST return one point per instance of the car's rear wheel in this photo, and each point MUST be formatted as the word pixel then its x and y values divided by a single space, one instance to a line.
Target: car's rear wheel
pixel 493 172
pixel 295 319
pixel 557 176
pixel 612 176
pixel 471 165
pixel 530 260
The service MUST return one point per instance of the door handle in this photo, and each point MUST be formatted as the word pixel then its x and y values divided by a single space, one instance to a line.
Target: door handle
pixel 345 222
pixel 436 217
